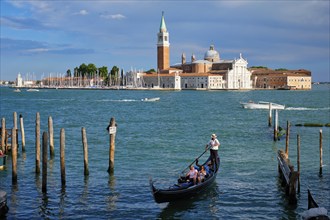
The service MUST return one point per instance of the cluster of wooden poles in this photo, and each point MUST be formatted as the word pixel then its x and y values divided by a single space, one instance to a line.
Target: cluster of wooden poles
pixel 49 136
pixel 290 178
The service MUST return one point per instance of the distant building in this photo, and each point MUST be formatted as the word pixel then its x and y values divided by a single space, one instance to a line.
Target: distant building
pixel 281 79
pixel 209 73
pixel 19 81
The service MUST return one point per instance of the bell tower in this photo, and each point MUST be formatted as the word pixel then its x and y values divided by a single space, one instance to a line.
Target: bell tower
pixel 163 46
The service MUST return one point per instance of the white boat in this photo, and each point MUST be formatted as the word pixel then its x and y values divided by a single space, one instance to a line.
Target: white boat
pixel 150 99
pixel 33 90
pixel 17 90
pixel 261 105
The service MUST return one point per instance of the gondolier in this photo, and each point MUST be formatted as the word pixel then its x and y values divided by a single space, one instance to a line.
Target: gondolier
pixel 214 145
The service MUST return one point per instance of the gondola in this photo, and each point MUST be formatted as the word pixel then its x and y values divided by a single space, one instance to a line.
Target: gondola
pixel 314 211
pixel 182 189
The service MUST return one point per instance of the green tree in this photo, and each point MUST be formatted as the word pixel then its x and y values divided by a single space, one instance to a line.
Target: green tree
pixel 114 75
pixel 82 70
pixel 68 73
pixel 103 71
pixel 91 70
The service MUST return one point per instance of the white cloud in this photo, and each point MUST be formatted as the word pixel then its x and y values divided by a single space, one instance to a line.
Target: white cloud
pixel 115 16
pixel 83 12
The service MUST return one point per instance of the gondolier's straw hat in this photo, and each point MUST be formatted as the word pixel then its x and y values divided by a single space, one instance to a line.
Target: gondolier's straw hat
pixel 213 135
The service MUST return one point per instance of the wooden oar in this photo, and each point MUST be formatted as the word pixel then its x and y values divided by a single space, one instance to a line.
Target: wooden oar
pixel 195 160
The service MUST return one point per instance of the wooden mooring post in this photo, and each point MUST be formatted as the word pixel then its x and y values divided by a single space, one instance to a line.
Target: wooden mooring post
pixel 85 147
pixel 112 128
pixel 21 121
pixel 51 137
pixel 14 156
pixel 62 156
pixel 276 125
pixel 3 135
pixel 37 143
pixel 321 154
pixel 288 175
pixel 270 115
pixel 287 138
pixel 298 160
pixel 44 161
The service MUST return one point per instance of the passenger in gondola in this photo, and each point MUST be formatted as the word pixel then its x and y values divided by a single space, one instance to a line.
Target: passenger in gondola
pixel 207 167
pixel 192 174
pixel 201 175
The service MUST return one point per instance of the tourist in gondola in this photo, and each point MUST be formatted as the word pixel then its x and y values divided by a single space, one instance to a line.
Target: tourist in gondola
pixel 213 145
pixel 192 174
pixel 201 174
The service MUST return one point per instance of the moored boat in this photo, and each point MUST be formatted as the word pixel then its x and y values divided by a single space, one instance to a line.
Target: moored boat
pixel 261 105
pixel 314 211
pixel 3 204
pixel 3 159
pixel 183 189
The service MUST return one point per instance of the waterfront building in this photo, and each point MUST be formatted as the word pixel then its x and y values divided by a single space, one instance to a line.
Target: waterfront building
pixel 208 73
pixel 19 81
pixel 281 79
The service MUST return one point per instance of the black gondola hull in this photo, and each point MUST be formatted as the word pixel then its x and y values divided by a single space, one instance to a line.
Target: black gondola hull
pixel 170 195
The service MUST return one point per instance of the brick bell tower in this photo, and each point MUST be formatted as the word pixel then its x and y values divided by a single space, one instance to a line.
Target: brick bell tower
pixel 163 46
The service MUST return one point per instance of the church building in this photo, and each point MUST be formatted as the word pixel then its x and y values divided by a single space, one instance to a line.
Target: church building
pixel 208 73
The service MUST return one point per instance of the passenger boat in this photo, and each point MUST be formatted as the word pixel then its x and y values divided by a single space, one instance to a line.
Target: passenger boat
pixel 150 99
pixel 261 105
pixel 182 189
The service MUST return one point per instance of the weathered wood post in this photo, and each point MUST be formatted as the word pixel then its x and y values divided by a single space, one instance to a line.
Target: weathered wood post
pixel 22 132
pixel 276 125
pixel 321 153
pixel 270 115
pixel 112 128
pixel 15 120
pixel 44 161
pixel 37 143
pixel 51 137
pixel 3 135
pixel 85 146
pixel 62 156
pixel 14 156
pixel 287 138
pixel 298 160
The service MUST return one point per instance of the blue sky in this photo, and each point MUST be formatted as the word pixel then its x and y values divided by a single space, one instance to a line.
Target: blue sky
pixel 43 37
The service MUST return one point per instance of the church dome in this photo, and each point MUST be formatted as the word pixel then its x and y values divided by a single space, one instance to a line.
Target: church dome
pixel 212 55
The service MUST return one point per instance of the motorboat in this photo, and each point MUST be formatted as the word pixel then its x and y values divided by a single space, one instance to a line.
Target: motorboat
pixel 17 90
pixel 33 90
pixel 261 105
pixel 150 99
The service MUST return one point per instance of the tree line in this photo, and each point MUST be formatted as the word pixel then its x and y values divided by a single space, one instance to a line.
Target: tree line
pixel 90 71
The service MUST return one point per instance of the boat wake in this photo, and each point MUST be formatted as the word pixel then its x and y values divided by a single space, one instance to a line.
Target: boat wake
pixel 307 109
pixel 118 100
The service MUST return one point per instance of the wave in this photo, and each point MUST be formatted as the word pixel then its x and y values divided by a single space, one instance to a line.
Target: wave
pixel 306 109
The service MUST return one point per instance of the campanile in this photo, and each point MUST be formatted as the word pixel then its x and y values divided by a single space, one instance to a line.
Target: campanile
pixel 163 46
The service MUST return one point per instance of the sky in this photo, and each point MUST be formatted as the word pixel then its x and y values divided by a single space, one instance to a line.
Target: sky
pixel 42 38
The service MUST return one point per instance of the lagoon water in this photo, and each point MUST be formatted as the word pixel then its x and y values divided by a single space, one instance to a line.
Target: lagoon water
pixel 158 140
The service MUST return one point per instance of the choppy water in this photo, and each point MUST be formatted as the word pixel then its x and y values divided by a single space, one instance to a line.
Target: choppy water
pixel 160 139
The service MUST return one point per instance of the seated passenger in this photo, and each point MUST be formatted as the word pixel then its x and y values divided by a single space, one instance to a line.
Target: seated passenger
pixel 192 174
pixel 201 175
